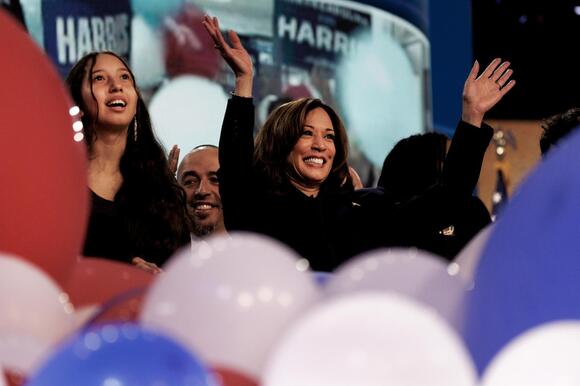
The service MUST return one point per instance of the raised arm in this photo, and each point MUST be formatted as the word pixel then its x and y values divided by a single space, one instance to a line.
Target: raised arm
pixel 472 136
pixel 481 93
pixel 235 56
pixel 236 147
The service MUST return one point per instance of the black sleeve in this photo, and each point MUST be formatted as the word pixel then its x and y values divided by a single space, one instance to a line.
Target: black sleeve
pixel 236 150
pixel 465 157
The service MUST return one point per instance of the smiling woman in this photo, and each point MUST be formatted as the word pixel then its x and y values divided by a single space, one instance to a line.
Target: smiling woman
pixel 138 210
pixel 294 184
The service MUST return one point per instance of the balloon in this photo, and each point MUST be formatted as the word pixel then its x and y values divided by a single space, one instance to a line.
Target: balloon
pixel 85 314
pixel 370 339
pixel 528 273
pixel 545 355
pixel 468 259
pixel 13 379
pixel 188 111
pixel 96 281
pixel 322 278
pixel 189 48
pixel 35 314
pixel 229 377
pixel 417 274
pixel 126 355
pixel 124 307
pixel 43 199
pixel 383 108
pixel 230 299
pixel 154 11
pixel 147 54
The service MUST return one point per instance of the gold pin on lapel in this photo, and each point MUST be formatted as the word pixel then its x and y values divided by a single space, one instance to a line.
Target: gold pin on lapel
pixel 449 231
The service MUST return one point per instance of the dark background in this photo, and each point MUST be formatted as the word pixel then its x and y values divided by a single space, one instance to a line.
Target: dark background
pixel 541 39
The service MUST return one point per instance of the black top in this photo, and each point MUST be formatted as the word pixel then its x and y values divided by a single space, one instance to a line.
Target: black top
pixel 108 235
pixel 333 226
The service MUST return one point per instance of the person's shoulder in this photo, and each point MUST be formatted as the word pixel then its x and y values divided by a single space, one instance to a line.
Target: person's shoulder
pixel 369 195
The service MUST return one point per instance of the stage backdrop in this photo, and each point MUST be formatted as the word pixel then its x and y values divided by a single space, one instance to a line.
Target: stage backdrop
pixel 370 60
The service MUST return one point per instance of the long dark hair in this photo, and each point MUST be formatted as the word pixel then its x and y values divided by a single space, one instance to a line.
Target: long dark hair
pixel 279 134
pixel 149 197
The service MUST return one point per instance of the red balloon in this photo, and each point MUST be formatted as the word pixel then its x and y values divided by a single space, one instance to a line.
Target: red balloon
pixel 188 47
pixel 123 308
pixel 97 281
pixel 230 377
pixel 13 378
pixel 43 193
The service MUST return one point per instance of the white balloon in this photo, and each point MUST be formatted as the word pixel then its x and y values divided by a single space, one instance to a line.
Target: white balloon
pixel 468 259
pixel 84 314
pixel 370 339
pixel 188 111
pixel 230 299
pixel 147 54
pixel 35 314
pixel 417 274
pixel 545 355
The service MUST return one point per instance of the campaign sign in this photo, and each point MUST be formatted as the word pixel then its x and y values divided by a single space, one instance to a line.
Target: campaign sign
pixel 307 31
pixel 73 28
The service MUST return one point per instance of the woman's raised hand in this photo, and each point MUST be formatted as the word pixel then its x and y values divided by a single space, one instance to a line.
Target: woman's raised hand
pixel 481 93
pixel 235 55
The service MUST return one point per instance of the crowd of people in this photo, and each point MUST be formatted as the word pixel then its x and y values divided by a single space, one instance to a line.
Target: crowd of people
pixel 291 181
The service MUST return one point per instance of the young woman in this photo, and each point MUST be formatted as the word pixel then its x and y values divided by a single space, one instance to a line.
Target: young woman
pixel 138 211
pixel 294 184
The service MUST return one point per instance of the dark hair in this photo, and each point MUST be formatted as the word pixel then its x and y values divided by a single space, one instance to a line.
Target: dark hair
pixel 279 134
pixel 149 197
pixel 557 127
pixel 414 164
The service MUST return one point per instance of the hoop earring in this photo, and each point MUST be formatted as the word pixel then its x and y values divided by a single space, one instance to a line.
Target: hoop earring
pixel 135 128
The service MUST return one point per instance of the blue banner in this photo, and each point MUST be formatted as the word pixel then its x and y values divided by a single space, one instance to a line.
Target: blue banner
pixel 73 28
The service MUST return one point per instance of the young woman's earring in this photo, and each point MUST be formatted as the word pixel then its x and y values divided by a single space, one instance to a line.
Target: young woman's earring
pixel 135 127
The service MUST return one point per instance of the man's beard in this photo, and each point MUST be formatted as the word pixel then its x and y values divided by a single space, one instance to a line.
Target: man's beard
pixel 201 230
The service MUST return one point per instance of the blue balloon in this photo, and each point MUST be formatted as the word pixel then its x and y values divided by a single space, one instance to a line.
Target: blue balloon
pixel 322 277
pixel 154 11
pixel 122 355
pixel 529 272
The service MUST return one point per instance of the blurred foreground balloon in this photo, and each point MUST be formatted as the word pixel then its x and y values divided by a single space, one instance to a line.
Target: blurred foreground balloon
pixel 370 339
pixel 35 314
pixel 197 107
pixel 12 378
pixel 420 275
pixel 122 355
pixel 43 199
pixel 96 281
pixel 229 377
pixel 230 299
pixel 468 259
pixel 544 355
pixel 125 307
pixel 529 272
